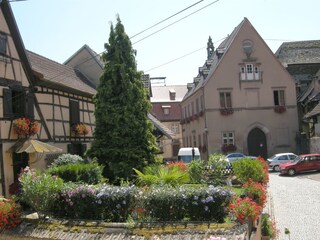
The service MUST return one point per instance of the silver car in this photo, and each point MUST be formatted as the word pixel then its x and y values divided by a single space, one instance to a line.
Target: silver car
pixel 275 161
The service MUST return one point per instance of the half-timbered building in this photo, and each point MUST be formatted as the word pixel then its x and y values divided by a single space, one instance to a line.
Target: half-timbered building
pixel 46 108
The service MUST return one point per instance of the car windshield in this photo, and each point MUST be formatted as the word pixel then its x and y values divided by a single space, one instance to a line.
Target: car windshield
pixel 188 158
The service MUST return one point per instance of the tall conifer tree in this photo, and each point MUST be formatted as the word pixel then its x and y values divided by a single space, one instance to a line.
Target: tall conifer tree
pixel 123 137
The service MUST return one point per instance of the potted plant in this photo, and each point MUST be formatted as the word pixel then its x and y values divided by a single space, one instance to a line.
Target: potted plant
pixel 80 129
pixel 25 127
pixel 279 109
pixel 268 230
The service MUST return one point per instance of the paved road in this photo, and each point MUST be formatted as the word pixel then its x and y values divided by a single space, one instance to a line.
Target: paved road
pixel 295 204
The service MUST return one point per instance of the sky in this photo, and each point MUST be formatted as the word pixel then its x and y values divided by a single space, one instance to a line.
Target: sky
pixel 176 48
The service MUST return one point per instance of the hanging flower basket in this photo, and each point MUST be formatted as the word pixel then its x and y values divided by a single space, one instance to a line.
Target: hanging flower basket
pixel 80 129
pixel 25 128
pixel 280 109
pixel 226 111
pixel 228 148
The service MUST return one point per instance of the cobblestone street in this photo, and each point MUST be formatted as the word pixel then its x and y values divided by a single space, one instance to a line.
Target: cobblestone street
pixel 295 203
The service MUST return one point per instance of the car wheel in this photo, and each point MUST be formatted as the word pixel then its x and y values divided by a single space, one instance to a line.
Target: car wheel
pixel 291 172
pixel 276 168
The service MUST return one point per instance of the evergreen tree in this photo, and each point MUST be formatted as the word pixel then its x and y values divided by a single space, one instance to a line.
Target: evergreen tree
pixel 123 137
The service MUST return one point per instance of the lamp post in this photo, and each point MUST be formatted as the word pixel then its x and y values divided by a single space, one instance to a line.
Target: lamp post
pixel 192 153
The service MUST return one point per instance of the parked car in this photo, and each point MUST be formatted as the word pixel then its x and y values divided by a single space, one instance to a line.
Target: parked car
pixel 307 162
pixel 275 161
pixel 232 157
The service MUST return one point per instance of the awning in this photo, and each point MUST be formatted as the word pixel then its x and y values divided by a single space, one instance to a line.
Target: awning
pixel 33 146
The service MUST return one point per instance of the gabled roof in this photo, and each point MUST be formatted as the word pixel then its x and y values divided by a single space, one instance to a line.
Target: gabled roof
pixel 313 91
pixel 313 112
pixel 299 52
pixel 216 59
pixel 162 93
pixel 166 131
pixel 58 74
pixel 88 63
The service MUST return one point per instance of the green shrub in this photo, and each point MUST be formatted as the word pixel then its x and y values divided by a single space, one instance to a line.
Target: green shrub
pixel 185 202
pixel 161 175
pixel 67 159
pixel 216 170
pixel 247 168
pixel 195 170
pixel 79 172
pixel 39 190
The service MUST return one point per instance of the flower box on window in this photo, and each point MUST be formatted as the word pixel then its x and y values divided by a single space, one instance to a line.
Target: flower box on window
pixel 182 121
pixel 201 113
pixel 80 129
pixel 226 111
pixel 228 148
pixel 195 116
pixel 280 109
pixel 25 127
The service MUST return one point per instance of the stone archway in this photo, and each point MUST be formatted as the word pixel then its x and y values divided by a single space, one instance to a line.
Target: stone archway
pixel 257 143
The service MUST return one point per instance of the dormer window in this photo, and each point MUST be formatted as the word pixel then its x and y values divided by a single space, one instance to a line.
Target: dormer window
pixel 166 109
pixel 172 93
pixel 3 44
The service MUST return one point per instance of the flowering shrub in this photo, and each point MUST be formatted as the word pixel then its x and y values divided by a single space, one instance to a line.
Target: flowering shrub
pixel 245 209
pixel 10 214
pixel 24 127
pixel 67 158
pixel 181 165
pixel 115 203
pixel 77 202
pixel 256 191
pixel 197 204
pixel 80 129
pixel 39 190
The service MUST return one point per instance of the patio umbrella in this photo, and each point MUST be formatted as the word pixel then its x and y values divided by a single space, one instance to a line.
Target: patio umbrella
pixel 33 146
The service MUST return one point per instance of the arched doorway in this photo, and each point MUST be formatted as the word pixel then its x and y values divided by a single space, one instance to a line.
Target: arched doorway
pixel 257 143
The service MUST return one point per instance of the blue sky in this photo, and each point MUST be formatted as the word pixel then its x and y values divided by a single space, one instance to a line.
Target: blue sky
pixel 58 28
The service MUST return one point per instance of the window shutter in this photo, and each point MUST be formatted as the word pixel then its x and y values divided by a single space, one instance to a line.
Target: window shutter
pixel 74 112
pixel 70 148
pixel 30 106
pixel 7 103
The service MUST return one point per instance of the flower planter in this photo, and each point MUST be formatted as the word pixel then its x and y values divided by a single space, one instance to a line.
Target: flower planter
pixel 80 129
pixel 25 127
pixel 280 109
pixel 226 111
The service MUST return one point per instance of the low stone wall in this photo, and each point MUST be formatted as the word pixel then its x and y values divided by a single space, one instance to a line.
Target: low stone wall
pixel 76 230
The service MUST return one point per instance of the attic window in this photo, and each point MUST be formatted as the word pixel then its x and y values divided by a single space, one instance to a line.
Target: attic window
pixel 166 109
pixel 172 93
pixel 3 44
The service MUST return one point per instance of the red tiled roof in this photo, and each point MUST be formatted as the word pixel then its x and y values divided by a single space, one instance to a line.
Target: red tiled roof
pixel 174 112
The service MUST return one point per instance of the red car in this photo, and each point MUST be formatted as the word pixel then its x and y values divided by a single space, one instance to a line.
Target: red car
pixel 306 162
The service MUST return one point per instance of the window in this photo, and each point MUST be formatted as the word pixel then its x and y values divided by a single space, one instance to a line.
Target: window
pixel 249 71
pixel 201 103
pixel 166 109
pixel 278 97
pixel 197 106
pixel 225 100
pixel 175 128
pixel 3 44
pixel 15 103
pixel 228 138
pixel 74 112
pixel 192 108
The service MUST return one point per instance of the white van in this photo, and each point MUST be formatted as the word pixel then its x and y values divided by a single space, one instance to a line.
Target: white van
pixel 185 154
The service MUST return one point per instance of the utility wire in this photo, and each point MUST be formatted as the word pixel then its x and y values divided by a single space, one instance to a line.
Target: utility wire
pixel 175 22
pixel 166 19
pixel 176 59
